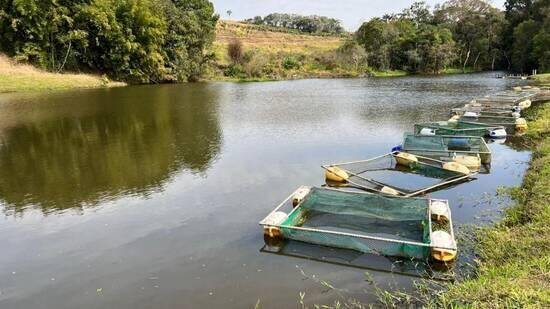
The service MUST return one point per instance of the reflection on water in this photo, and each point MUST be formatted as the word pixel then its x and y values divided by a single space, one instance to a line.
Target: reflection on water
pixel 355 259
pixel 83 155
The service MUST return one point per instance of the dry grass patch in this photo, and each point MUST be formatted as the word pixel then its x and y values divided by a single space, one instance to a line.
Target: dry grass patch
pixel 16 77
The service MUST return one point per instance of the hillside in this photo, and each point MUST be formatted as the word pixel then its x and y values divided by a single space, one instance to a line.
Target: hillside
pixel 272 39
pixel 285 53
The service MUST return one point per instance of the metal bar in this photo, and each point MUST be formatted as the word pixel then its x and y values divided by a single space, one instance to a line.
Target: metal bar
pixel 307 229
pixel 353 162
pixel 262 222
pixel 441 184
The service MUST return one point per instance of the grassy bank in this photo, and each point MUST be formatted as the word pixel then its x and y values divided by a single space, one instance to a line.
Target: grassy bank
pixel 20 78
pixel 514 255
pixel 542 79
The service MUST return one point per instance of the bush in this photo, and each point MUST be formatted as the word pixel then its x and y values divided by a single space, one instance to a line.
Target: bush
pixel 235 51
pixel 234 70
pixel 256 66
pixel 291 63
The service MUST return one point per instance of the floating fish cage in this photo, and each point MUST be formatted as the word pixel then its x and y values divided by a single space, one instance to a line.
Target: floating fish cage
pixel 509 96
pixel 511 124
pixel 486 111
pixel 461 128
pixel 369 223
pixel 396 174
pixel 471 151
pixel 506 99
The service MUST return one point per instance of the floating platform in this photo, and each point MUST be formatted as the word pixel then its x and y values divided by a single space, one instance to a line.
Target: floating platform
pixel 395 175
pixel 512 124
pixel 470 151
pixel 369 223
pixel 460 128
pixel 486 111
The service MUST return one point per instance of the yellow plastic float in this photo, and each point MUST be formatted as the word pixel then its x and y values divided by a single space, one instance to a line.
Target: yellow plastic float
pixel 441 242
pixel 454 118
pixel 521 124
pixel 439 211
pixel 524 104
pixel 456 167
pixel 471 162
pixel 406 159
pixel 270 228
pixel 389 191
pixel 299 196
pixel 517 88
pixel 336 174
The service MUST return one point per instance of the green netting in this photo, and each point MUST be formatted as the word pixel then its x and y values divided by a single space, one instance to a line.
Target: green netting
pixel 462 128
pixel 443 147
pixel 428 142
pixel 375 219
pixel 492 120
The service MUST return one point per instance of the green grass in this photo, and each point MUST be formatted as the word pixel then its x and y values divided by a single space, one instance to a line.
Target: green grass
pixel 389 73
pixel 38 82
pixel 459 70
pixel 514 255
pixel 542 79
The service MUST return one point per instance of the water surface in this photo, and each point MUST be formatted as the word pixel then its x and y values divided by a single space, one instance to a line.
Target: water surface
pixel 149 196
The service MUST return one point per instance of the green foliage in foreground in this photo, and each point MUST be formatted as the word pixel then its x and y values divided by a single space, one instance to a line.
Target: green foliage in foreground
pixel 514 256
pixel 141 41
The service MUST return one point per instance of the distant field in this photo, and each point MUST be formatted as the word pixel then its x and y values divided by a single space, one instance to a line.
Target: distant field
pixel 271 41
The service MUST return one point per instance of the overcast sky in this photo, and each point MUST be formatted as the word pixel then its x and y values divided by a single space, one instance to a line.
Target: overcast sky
pixel 351 12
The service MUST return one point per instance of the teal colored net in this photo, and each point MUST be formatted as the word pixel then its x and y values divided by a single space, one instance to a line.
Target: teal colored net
pixel 443 143
pixel 492 120
pixel 462 128
pixel 382 225
pixel 445 147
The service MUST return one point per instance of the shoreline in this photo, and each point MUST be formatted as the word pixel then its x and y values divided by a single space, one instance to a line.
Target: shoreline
pixel 35 80
pixel 513 256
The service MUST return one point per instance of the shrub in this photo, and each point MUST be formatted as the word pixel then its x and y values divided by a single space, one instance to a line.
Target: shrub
pixel 290 63
pixel 234 70
pixel 235 51
pixel 256 66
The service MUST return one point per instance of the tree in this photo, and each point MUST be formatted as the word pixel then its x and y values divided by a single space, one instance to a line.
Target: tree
pixel 229 12
pixel 141 41
pixel 476 28
pixel 309 24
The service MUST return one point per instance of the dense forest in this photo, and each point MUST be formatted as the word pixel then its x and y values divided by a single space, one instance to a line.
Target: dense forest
pixel 309 24
pixel 460 33
pixel 140 41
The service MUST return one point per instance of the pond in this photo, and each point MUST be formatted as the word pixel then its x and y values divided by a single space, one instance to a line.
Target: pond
pixel 150 196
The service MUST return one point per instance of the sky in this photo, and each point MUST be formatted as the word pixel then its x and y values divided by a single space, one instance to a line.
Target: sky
pixel 352 13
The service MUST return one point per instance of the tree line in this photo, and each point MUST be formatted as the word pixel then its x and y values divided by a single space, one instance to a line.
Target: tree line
pixel 308 24
pixel 140 41
pixel 460 33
